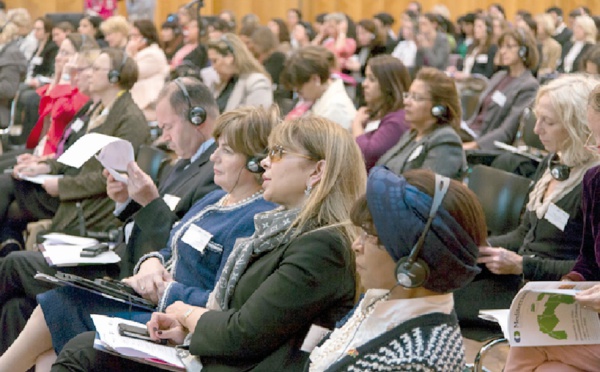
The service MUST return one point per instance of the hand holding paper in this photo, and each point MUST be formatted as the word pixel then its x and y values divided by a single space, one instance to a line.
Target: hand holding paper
pixel 141 188
pixel 590 298
pixel 116 190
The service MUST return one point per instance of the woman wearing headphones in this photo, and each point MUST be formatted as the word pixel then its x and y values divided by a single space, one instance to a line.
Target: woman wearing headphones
pixel 243 81
pixel 409 268
pixel 547 242
pixel 481 53
pixel 432 109
pixel 188 267
pixel 508 93
pixel 152 66
pixel 575 358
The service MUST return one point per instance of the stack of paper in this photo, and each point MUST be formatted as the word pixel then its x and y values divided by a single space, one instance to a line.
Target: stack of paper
pixel 108 339
pixel 64 250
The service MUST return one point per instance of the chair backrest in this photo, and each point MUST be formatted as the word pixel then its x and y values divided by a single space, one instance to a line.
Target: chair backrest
pixel 526 133
pixel 502 196
pixel 150 159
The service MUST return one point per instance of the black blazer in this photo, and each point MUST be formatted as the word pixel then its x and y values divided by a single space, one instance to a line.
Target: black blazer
pixel 153 223
pixel 577 63
pixel 564 37
pixel 484 63
pixel 48 54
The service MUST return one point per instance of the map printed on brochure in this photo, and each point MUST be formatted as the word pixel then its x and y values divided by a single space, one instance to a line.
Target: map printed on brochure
pixel 546 314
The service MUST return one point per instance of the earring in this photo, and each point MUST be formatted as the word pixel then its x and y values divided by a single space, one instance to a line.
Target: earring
pixel 308 190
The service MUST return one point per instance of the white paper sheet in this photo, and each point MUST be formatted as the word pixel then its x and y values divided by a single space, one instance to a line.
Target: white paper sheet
pixel 64 255
pixel 116 153
pixel 40 178
pixel 107 329
pixel 58 238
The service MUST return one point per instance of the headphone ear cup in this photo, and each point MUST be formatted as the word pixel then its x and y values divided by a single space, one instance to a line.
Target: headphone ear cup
pixel 411 275
pixel 114 76
pixel 197 115
pixel 523 52
pixel 253 165
pixel 438 111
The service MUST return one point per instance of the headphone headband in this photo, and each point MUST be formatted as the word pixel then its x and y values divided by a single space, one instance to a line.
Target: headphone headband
pixel 196 114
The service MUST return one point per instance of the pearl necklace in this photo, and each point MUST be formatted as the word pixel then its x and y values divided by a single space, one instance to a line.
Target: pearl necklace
pixel 341 338
pixel 224 202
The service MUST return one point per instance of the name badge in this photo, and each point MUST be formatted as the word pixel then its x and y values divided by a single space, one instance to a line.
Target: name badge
pixel 499 98
pixel 557 217
pixel 482 58
pixel 372 125
pixel 77 125
pixel 36 61
pixel 415 154
pixel 171 201
pixel 197 238
pixel 315 334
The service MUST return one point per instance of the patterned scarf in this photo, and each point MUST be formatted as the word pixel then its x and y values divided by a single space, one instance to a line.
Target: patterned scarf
pixel 271 231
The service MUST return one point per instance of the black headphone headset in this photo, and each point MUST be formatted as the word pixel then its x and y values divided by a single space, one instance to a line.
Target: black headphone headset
pixel 253 164
pixel 196 114
pixel 411 271
pixel 558 171
pixel 523 50
pixel 114 75
pixel 439 111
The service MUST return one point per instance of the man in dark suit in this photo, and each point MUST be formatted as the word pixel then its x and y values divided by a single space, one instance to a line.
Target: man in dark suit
pixel 562 34
pixel 190 137
pixel 186 111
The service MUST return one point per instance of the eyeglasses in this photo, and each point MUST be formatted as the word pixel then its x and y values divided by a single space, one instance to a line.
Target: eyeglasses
pixel 276 153
pixel 414 97
pixel 366 238
pixel 592 148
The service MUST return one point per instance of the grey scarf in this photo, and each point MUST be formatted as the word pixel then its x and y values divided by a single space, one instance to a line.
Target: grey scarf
pixel 271 231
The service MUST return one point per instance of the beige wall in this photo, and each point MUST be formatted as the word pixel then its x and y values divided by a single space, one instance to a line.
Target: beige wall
pixel 358 9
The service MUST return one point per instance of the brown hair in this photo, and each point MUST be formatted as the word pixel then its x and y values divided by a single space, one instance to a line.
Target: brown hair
pixel 304 63
pixel 460 202
pixel 243 59
pixel 127 67
pixel 524 38
pixel 247 129
pixel 264 40
pixel 489 40
pixel 394 79
pixel 594 99
pixel 443 92
pixel 81 42
pixel 147 30
pixel 372 28
pixel 593 55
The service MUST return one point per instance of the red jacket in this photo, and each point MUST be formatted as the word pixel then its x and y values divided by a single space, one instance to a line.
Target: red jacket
pixel 61 104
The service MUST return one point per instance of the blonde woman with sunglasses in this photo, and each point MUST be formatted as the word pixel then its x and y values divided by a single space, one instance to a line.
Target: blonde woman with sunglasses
pixel 296 271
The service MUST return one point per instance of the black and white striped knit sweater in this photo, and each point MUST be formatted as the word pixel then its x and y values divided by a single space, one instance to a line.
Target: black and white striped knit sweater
pixel 431 342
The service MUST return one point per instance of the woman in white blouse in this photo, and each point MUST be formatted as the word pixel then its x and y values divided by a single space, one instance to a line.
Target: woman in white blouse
pixel 584 37
pixel 406 50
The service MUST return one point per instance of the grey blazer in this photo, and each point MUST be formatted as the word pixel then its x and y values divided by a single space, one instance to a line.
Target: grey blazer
pixel 251 90
pixel 440 151
pixel 501 123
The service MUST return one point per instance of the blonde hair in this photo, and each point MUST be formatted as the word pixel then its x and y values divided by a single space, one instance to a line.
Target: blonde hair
pixel 569 96
pixel 545 20
pixel 589 27
pixel 115 24
pixel 343 179
pixel 243 59
pixel 18 23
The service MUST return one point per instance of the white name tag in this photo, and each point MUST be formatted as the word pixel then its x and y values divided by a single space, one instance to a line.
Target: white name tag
pixel 315 334
pixel 77 125
pixel 482 58
pixel 171 201
pixel 372 125
pixel 415 154
pixel 499 98
pixel 557 217
pixel 197 238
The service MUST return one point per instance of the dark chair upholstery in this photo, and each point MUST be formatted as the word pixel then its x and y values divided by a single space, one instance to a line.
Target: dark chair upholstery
pixel 151 160
pixel 502 196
